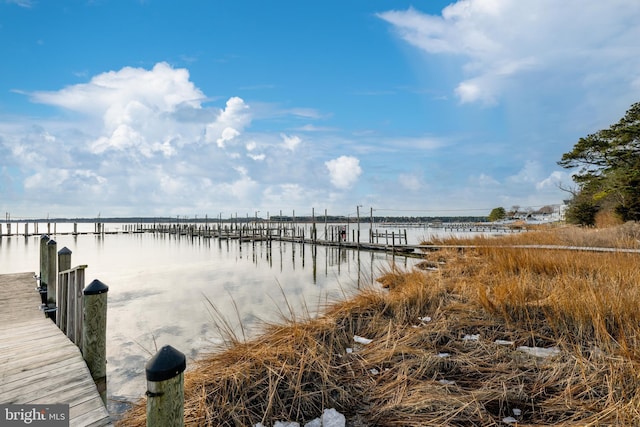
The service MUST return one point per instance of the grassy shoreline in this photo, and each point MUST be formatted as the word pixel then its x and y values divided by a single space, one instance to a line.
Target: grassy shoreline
pixel 449 344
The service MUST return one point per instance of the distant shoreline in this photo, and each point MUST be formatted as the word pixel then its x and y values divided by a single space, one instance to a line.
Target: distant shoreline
pixel 278 218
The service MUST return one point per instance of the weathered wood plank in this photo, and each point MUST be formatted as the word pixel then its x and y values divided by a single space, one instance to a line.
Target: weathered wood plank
pixel 54 354
pixel 31 330
pixel 41 380
pixel 29 336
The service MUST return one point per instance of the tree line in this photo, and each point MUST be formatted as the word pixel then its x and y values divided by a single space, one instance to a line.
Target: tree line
pixel 606 173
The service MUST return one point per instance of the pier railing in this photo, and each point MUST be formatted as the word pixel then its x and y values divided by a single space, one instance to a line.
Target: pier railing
pixel 71 303
pixel 80 312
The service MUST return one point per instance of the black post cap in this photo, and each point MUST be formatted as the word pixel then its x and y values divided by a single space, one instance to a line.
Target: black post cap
pixel 64 251
pixel 44 237
pixel 95 288
pixel 51 242
pixel 166 364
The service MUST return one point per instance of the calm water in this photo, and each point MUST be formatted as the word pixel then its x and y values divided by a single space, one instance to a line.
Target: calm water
pixel 159 286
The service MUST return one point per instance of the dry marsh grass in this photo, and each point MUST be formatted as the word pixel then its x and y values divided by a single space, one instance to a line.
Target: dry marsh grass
pixel 622 236
pixel 434 358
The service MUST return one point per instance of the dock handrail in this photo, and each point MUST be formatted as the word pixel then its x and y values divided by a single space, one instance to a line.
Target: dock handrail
pixel 79 312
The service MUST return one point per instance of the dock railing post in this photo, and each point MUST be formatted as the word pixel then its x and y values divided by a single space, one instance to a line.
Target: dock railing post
pixel 74 282
pixel 62 293
pixel 165 388
pixel 64 259
pixel 94 334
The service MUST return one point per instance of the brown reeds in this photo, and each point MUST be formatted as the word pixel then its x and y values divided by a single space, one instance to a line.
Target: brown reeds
pixel 546 337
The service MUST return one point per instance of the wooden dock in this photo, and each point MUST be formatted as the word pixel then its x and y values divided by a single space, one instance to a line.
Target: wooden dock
pixel 38 363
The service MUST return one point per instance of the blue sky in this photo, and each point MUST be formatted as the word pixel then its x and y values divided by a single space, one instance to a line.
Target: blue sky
pixel 207 107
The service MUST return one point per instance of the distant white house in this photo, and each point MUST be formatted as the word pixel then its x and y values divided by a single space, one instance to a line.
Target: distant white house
pixel 557 214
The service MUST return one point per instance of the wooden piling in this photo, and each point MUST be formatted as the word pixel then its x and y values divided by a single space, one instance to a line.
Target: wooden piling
pixel 165 388
pixel 94 334
pixel 64 259
pixel 44 265
pixel 52 275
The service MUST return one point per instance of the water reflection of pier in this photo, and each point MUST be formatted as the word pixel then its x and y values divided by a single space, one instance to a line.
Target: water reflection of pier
pixel 324 260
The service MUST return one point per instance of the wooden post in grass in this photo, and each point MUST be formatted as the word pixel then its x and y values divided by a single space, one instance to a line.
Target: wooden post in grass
pixel 165 388
pixel 94 334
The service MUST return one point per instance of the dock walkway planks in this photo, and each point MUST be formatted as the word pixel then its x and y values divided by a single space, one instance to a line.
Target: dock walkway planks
pixel 38 363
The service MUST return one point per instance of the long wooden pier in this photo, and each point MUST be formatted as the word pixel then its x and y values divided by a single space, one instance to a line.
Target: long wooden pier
pixel 343 235
pixel 38 363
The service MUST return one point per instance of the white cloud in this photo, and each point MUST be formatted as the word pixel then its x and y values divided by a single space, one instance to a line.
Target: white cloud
pixel 344 171
pixel 22 3
pixel 416 143
pixel 227 135
pixel 64 179
pixel 290 142
pixel 484 180
pixel 111 94
pixel 257 157
pixel 470 91
pixel 530 173
pixel 411 182
pixel 123 137
pixel 144 111
pixel 240 189
pixel 141 110
pixel 502 39
pixel 307 113
pixel 230 122
pixel 285 195
pixel 313 128
pixel 553 180
pixel 150 112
